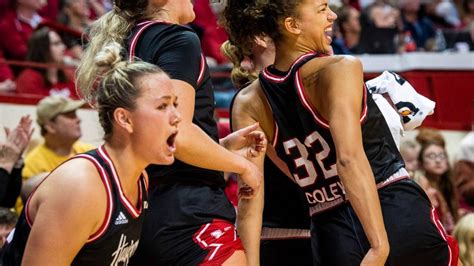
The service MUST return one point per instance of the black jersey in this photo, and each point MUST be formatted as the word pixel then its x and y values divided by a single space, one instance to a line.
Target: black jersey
pixel 288 211
pixel 304 142
pixel 177 50
pixel 118 237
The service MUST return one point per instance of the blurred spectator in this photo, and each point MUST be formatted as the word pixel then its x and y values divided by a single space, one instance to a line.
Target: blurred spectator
pixel 8 221
pixel 464 234
pixel 75 14
pixel 17 25
pixel 443 13
pixel 383 15
pixel 468 12
pixel 433 159
pixel 11 161
pixel 420 28
pixel 381 23
pixel 61 130
pixel 464 171
pixel 212 34
pixel 409 151
pixel 348 23
pixel 45 46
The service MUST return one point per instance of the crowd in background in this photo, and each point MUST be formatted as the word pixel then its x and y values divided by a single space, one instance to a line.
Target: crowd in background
pixel 49 36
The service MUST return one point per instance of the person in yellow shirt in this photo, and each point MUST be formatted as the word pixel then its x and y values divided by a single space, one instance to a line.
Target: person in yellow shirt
pixel 60 128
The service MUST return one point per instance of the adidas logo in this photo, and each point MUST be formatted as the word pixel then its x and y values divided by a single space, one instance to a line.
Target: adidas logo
pixel 121 219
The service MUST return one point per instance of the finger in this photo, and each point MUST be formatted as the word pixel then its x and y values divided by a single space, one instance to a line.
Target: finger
pixel 247 130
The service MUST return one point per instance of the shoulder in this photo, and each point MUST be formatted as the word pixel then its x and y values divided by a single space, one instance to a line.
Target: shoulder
pixel 171 33
pixel 329 68
pixel 80 147
pixel 78 178
pixel 249 97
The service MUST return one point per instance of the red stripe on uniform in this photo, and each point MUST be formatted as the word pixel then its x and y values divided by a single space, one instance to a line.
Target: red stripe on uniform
pixel 202 69
pixel 128 205
pixel 144 25
pixel 306 102
pixel 279 79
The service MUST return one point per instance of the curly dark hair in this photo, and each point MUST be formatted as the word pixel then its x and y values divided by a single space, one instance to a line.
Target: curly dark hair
pixel 246 19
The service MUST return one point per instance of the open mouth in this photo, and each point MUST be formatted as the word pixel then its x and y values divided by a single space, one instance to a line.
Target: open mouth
pixel 328 34
pixel 171 141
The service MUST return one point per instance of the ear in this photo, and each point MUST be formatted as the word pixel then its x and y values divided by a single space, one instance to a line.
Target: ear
pixel 291 25
pixel 49 126
pixel 123 119
pixel 260 41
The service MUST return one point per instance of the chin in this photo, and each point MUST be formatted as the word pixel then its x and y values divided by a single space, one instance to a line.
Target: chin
pixel 165 160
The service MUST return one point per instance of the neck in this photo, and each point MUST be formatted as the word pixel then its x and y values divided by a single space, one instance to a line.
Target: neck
pixel 287 52
pixel 351 39
pixel 411 16
pixel 433 179
pixel 129 166
pixel 59 147
pixel 25 13
pixel 52 75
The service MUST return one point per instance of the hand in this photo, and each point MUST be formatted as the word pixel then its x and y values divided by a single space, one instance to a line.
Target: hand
pixel 375 257
pixel 251 180
pixel 246 142
pixel 17 140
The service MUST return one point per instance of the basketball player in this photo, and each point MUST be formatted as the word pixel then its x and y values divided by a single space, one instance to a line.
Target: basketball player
pixel 90 210
pixel 285 238
pixel 190 221
pixel 334 140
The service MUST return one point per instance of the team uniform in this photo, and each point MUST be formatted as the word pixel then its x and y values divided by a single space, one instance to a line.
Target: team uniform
pixel 118 237
pixel 304 142
pixel 285 238
pixel 191 221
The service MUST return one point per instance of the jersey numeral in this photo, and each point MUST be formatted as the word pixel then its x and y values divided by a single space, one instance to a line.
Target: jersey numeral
pixel 299 151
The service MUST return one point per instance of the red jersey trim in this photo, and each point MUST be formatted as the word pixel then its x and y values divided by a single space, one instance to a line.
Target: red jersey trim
pixel 126 202
pixel 442 232
pixel 279 79
pixel 144 25
pixel 202 69
pixel 108 188
pixel 307 103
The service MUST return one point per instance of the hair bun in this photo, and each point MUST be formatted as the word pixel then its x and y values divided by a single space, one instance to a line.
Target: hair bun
pixel 109 57
pixel 428 136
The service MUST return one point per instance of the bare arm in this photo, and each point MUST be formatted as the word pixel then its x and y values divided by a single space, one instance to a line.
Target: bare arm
pixel 249 215
pixel 63 219
pixel 195 147
pixel 342 107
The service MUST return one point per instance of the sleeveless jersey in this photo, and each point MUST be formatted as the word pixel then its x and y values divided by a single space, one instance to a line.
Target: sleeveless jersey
pixel 176 49
pixel 118 237
pixel 290 211
pixel 304 142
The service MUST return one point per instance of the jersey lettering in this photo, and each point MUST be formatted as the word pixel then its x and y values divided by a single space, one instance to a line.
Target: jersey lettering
pixel 296 149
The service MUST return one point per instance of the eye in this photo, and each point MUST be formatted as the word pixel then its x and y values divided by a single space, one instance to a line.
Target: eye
pixel 162 106
pixel 175 104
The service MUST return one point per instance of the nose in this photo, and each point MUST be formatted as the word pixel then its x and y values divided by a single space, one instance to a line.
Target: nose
pixel 332 15
pixel 175 117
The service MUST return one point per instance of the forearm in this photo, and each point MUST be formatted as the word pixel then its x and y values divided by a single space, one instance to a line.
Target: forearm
pixel 361 191
pixel 249 224
pixel 196 148
pixel 14 188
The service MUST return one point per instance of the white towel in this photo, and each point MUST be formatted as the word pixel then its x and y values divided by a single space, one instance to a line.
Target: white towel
pixel 411 106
